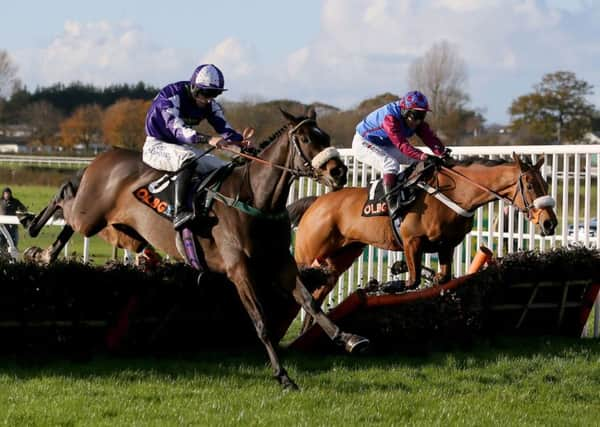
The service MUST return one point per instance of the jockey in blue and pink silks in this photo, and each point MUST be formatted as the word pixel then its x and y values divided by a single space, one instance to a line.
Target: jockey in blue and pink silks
pixel 381 140
pixel 171 141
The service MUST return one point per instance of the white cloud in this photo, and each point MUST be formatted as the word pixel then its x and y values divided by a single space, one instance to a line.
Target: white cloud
pixel 100 53
pixel 363 48
pixel 234 57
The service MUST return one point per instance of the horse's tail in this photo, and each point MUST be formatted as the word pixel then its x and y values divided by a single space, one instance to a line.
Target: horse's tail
pixel 297 209
pixel 67 191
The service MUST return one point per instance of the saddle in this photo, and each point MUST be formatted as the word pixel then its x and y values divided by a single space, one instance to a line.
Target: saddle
pixel 159 195
pixel 405 189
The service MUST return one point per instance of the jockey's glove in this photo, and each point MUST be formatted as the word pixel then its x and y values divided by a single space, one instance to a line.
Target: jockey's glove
pixel 435 160
pixel 446 154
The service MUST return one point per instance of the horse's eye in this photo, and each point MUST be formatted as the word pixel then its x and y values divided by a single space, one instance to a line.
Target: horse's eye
pixel 529 187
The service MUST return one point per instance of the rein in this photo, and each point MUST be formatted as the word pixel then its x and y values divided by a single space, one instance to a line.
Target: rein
pixel 311 173
pixel 532 210
pixel 481 187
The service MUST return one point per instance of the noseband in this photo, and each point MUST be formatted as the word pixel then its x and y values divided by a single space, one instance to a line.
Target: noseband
pixel 532 209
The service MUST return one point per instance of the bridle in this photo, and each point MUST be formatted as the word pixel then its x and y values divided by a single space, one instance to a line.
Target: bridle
pixel 310 168
pixel 532 209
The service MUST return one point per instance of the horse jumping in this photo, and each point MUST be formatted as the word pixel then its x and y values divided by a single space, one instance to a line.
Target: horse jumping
pixel 332 232
pixel 252 250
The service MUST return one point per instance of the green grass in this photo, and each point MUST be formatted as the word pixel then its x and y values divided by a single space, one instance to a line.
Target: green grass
pixel 542 381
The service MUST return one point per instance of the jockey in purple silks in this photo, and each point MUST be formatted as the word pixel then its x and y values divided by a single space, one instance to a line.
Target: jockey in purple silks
pixel 171 141
pixel 381 139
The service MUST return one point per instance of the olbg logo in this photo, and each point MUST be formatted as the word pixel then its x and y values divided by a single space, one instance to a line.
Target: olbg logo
pixel 154 202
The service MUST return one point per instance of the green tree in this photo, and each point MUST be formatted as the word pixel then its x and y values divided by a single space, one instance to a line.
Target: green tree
pixel 556 110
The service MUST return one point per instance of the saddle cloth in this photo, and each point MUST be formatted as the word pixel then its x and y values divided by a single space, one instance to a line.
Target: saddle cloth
pixel 159 195
pixel 375 205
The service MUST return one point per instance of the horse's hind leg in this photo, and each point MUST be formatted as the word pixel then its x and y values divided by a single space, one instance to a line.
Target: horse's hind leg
pixel 65 193
pixel 49 254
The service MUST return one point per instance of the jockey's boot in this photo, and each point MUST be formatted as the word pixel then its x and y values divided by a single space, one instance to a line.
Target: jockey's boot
pixel 183 214
pixel 389 182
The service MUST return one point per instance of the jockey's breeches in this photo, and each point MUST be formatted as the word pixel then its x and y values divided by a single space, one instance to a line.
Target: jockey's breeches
pixel 384 158
pixel 170 157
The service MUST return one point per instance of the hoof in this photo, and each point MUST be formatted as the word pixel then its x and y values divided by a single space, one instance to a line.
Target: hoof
pixel 286 382
pixel 394 287
pixel 32 254
pixel 355 344
pixel 290 386
pixel 358 345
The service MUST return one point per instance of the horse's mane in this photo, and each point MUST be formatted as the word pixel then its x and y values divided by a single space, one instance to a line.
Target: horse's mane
pixel 470 160
pixel 272 138
pixel 276 135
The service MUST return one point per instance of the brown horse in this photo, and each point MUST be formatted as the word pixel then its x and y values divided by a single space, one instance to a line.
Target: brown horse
pixel 253 250
pixel 332 232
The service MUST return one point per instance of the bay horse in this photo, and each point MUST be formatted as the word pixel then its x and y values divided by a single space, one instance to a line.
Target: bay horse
pixel 332 232
pixel 252 250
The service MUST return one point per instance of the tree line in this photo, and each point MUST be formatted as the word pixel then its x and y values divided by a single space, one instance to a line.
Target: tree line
pixel 67 115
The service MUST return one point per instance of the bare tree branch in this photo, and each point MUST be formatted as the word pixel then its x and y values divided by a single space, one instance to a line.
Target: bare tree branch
pixel 8 75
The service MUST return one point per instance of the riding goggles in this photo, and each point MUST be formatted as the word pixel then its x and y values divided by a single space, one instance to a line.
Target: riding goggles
pixel 416 115
pixel 206 92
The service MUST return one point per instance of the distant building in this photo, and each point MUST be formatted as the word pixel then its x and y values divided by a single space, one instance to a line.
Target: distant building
pixel 14 138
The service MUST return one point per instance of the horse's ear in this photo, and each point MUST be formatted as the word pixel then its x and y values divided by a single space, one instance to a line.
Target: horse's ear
pixel 311 113
pixel 518 160
pixel 539 163
pixel 288 116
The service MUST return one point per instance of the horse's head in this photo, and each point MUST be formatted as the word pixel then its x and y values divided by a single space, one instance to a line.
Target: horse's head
pixel 532 197
pixel 314 155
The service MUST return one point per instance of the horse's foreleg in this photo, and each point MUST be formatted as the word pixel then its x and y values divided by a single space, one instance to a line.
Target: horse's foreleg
pixel 239 275
pixel 351 342
pixel 445 260
pixel 413 252
pixel 336 263
pixel 319 296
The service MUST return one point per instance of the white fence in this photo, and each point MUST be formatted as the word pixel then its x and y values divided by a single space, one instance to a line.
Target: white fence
pixel 573 174
pixel 68 162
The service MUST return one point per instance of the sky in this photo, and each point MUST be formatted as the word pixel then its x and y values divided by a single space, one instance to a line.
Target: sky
pixel 339 52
